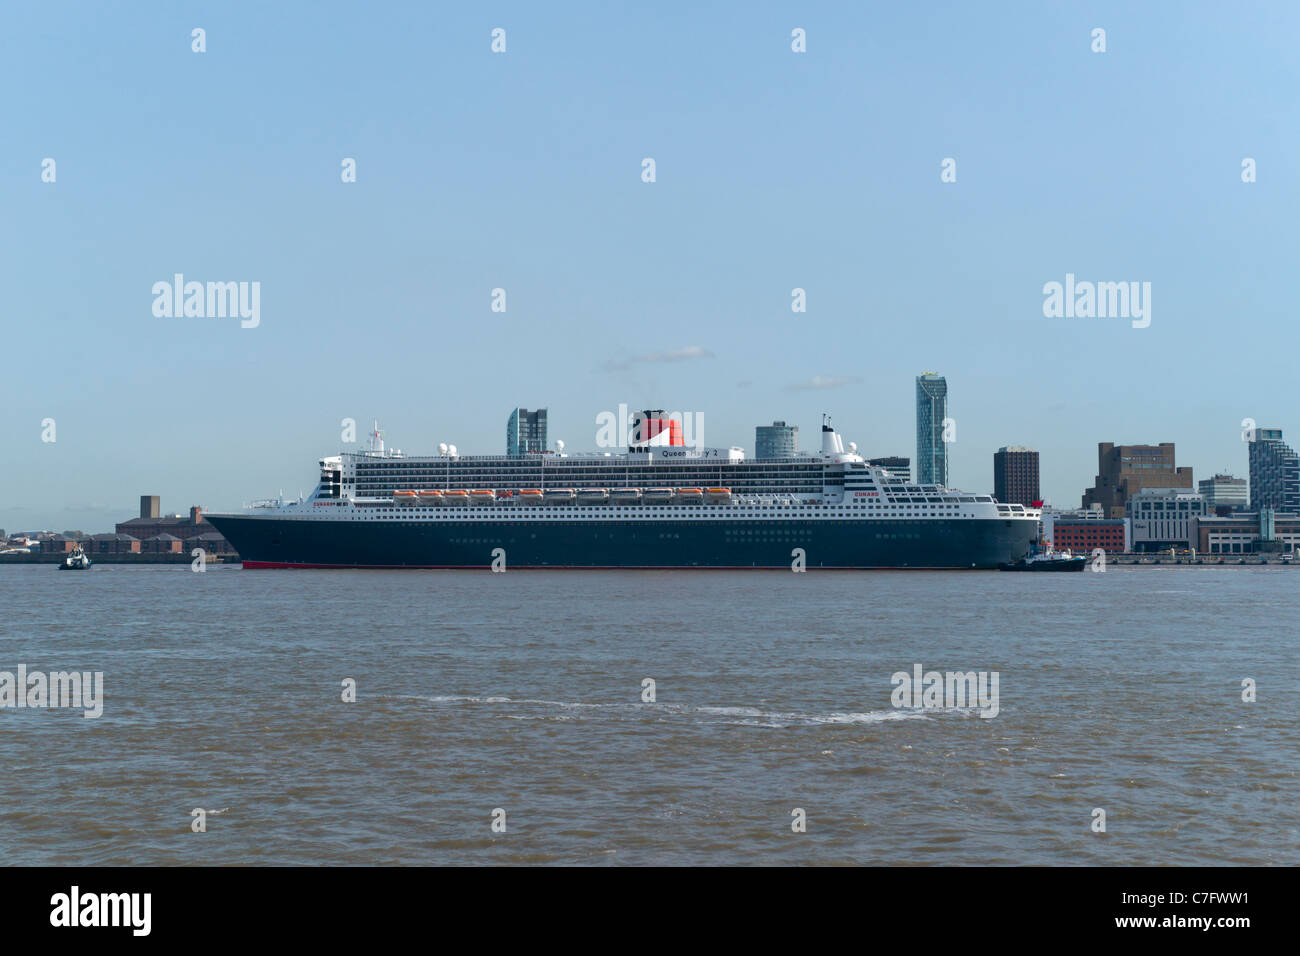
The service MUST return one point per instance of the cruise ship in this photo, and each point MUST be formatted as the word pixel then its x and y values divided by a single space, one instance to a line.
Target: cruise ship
pixel 659 504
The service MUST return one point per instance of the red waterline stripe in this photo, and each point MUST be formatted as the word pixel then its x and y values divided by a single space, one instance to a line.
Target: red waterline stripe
pixel 262 565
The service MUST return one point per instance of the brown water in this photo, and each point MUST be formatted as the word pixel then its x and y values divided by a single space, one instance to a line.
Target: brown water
pixel 522 691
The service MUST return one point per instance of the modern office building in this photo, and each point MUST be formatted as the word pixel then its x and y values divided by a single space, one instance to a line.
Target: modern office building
pixel 1124 470
pixel 902 467
pixel 1015 475
pixel 1274 473
pixel 931 411
pixel 1164 518
pixel 526 432
pixel 1224 493
pixel 777 440
pixel 1248 533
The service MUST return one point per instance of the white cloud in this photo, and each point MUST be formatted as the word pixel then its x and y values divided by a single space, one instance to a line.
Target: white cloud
pixel 673 355
pixel 825 381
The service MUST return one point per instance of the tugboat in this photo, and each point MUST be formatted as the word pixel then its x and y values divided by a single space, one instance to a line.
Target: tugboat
pixel 76 561
pixel 1047 561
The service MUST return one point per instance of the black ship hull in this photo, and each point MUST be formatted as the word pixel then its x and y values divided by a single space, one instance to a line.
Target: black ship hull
pixel 286 542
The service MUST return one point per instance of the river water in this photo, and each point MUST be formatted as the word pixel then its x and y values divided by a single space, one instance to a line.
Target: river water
pixel 520 698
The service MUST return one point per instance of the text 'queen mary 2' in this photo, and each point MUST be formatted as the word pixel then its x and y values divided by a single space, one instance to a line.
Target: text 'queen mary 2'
pixel 659 505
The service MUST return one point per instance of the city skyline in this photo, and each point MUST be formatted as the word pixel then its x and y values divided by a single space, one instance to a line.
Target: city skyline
pixel 821 171
pixel 110 515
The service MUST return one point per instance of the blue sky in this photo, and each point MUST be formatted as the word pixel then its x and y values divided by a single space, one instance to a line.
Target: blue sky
pixel 522 171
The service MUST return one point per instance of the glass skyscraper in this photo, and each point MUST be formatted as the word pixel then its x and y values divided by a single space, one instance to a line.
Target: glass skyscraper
pixel 931 410
pixel 526 432
pixel 1274 473
pixel 777 440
